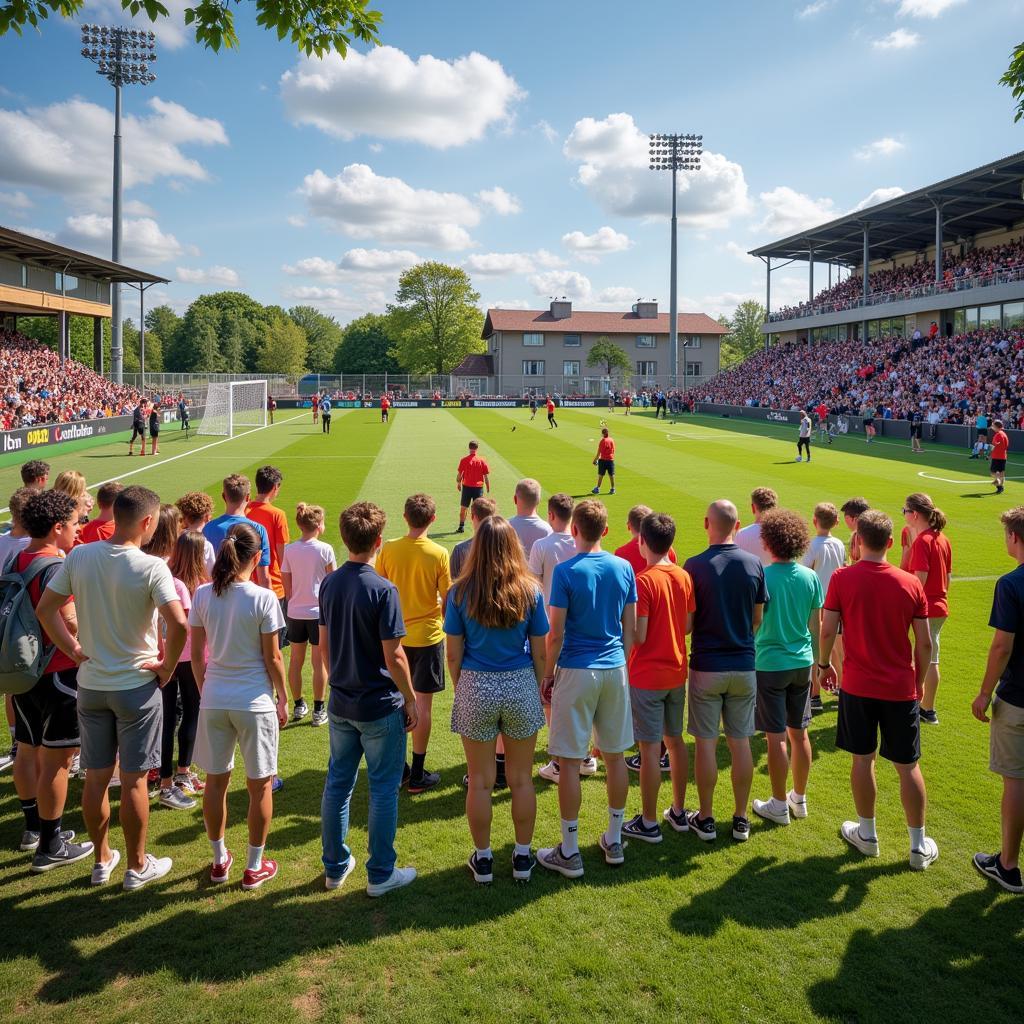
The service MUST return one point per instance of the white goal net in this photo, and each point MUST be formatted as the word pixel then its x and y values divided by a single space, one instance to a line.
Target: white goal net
pixel 231 408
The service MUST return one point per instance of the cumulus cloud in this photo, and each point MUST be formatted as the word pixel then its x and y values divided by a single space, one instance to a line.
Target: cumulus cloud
pixel 334 300
pixel 886 146
pixel 385 93
pixel 815 8
pixel 48 236
pixel 924 8
pixel 15 201
pixel 499 201
pixel 547 130
pixel 210 275
pixel 569 283
pixel 496 264
pixel 590 248
pixel 364 205
pixel 880 195
pixel 900 39
pixel 142 238
pixel 787 212
pixel 170 31
pixel 356 261
pixel 296 221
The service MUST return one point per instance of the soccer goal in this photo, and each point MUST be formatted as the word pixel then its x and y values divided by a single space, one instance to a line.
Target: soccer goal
pixel 234 407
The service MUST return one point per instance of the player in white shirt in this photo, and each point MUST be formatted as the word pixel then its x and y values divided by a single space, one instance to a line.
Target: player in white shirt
pixel 749 538
pixel 16 539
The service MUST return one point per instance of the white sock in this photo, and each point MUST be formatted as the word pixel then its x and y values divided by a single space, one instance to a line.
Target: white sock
pixel 867 828
pixel 570 842
pixel 916 838
pixel 614 833
pixel 255 858
pixel 778 806
pixel 220 850
pixel 484 854
pixel 797 798
pixel 521 850
pixel 647 822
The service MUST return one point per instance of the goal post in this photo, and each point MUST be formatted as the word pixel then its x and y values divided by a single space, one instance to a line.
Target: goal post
pixel 234 407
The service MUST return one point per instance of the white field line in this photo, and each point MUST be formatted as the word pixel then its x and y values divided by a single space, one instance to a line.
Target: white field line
pixel 971 579
pixel 962 480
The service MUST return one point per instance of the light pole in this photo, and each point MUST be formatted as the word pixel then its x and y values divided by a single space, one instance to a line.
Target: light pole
pixel 123 57
pixel 675 152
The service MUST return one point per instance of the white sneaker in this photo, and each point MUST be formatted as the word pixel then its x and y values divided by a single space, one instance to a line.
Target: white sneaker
pixel 101 872
pixel 588 766
pixel 766 809
pixel 850 831
pixel 921 859
pixel 797 808
pixel 799 458
pixel 400 877
pixel 549 771
pixel 154 868
pixel 336 883
pixel 176 799
pixel 76 766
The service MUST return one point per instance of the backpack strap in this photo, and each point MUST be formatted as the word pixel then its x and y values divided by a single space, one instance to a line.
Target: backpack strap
pixel 37 568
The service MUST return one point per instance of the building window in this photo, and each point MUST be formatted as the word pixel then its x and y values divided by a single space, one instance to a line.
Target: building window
pixel 572 340
pixel 693 341
pixel 646 368
pixel 1013 315
pixel 646 341
pixel 990 317
pixel 570 368
pixel 694 370
pixel 533 338
pixel 533 367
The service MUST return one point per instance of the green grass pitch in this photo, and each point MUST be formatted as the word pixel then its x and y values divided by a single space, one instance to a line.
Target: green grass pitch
pixel 792 926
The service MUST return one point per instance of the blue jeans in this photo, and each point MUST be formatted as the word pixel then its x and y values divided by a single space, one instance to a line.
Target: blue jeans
pixel 383 743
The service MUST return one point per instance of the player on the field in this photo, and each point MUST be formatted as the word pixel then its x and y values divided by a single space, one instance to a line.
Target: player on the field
pixel 551 412
pixel 533 407
pixel 804 440
pixel 627 401
pixel 138 427
pixel 611 401
pixel 316 405
pixel 868 415
pixel 325 414
pixel 472 477
pixel 271 406
pixel 605 461
pixel 385 405
pixel 997 465
pixel 916 429
pixel 822 413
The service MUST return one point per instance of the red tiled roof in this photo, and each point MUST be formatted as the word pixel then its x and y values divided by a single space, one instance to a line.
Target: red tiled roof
pixel 583 322
pixel 475 365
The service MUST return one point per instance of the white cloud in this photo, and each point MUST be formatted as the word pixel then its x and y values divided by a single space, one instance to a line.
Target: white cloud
pixel 814 8
pixel 886 146
pixel 15 201
pixel 385 93
pixel 356 261
pixel 496 264
pixel 142 240
pixel 48 236
pixel 880 195
pixel 569 283
pixel 334 300
pixel 900 39
pixel 787 211
pixel 501 202
pixel 509 304
pixel 616 296
pixel 137 208
pixel 924 8
pixel 613 167
pixel 375 147
pixel 590 248
pixel 170 31
pixel 296 221
pixel 211 275
pixel 67 147
pixel 366 205
pixel 546 130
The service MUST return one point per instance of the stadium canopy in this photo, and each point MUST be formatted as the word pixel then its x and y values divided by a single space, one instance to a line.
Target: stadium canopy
pixel 989 198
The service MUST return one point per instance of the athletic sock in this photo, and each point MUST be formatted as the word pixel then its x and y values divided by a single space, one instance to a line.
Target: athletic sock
pixel 318 705
pixel 484 854
pixel 797 798
pixel 417 765
pixel 647 822
pixel 31 811
pixel 254 858
pixel 220 850
pixel 614 833
pixel 916 837
pixel 522 850
pixel 777 806
pixel 49 835
pixel 570 841
pixel 867 828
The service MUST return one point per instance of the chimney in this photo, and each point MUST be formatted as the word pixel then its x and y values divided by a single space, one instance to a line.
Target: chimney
pixel 561 309
pixel 646 309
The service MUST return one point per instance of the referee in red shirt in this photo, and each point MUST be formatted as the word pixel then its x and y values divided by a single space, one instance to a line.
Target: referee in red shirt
pixel 605 461
pixel 473 476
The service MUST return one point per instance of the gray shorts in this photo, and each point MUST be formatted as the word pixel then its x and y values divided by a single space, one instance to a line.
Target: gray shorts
pixel 255 732
pixel 725 698
pixel 585 701
pixel 121 724
pixel 1006 740
pixel 487 703
pixel 783 700
pixel 657 713
pixel 934 628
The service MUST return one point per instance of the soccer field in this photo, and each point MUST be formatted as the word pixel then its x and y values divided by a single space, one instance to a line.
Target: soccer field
pixel 792 926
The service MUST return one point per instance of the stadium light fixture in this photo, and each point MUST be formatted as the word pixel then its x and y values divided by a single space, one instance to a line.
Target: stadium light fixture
pixel 673 151
pixel 123 56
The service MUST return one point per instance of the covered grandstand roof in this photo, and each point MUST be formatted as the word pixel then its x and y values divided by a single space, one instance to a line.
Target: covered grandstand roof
pixel 989 198
pixel 28 248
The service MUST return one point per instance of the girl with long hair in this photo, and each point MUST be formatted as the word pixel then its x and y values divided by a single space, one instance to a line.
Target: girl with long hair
pixel 494 616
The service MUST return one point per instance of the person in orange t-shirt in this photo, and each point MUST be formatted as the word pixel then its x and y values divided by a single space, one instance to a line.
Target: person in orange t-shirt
pixel 551 412
pixel 605 461
pixel 274 521
pixel 657 676
pixel 471 479
pixel 1000 446
pixel 102 527
pixel 385 405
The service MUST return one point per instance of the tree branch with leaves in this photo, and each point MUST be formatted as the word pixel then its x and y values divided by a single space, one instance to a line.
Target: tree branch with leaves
pixel 611 358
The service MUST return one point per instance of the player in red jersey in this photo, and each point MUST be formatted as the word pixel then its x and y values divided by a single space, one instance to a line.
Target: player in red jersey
pixel 316 407
pixel 551 413
pixel 385 405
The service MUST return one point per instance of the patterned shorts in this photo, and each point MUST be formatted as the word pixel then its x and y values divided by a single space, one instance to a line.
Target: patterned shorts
pixel 487 703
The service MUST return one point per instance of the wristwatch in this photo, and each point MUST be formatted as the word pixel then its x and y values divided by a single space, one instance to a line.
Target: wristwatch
pixel 827 664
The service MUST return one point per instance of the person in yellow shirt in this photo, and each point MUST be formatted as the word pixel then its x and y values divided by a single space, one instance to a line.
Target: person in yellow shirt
pixel 420 570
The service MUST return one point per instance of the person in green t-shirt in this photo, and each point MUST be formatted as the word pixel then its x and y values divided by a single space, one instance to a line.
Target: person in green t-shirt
pixel 784 648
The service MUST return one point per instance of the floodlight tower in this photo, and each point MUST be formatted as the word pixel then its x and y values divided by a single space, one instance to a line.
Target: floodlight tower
pixel 123 57
pixel 675 152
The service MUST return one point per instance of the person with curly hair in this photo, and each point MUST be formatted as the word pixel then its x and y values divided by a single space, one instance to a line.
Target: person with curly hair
pixel 196 508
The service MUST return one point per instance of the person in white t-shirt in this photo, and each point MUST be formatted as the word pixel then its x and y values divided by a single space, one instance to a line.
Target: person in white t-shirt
pixel 749 538
pixel 16 539
pixel 237 664
pixel 305 565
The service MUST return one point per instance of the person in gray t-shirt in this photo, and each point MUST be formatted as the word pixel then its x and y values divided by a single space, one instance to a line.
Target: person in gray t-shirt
pixel 528 525
pixel 479 510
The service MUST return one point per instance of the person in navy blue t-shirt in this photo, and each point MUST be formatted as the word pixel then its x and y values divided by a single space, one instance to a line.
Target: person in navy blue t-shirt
pixel 1004 675
pixel 729 588
pixel 371 705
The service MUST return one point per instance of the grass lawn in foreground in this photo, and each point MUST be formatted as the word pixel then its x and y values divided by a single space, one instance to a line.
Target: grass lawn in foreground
pixel 791 926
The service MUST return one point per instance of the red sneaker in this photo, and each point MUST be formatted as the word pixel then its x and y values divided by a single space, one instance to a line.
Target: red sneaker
pixel 219 872
pixel 254 879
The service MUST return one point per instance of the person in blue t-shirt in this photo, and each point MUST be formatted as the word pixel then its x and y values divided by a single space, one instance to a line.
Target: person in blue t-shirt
pixel 1004 675
pixel 593 617
pixel 325 414
pixel 495 623
pixel 372 705
pixel 729 587
pixel 235 493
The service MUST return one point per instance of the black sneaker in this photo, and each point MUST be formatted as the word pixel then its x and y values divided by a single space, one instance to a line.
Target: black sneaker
pixel 702 828
pixel 991 867
pixel 816 706
pixel 929 717
pixel 522 866
pixel 740 829
pixel 67 853
pixel 636 829
pixel 633 763
pixel 461 528
pixel 482 868
pixel 428 780
pixel 677 821
pixel 665 767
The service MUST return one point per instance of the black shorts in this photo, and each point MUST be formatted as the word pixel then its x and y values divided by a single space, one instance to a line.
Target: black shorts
pixel 551 417
pixel 154 430
pixel 138 432
pixel 915 430
pixel 997 466
pixel 869 423
pixel 282 634
pixel 469 495
pixel 861 718
pixel 783 700
pixel 426 666
pixel 605 466
pixel 303 631
pixel 47 716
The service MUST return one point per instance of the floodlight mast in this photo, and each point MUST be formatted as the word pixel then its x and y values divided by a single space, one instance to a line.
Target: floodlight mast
pixel 675 152
pixel 123 57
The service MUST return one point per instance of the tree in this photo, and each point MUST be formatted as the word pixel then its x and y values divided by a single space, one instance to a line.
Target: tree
pixel 154 349
pixel 282 346
pixel 610 357
pixel 367 346
pixel 745 337
pixel 237 324
pixel 435 317
pixel 313 28
pixel 323 336
pixel 1013 79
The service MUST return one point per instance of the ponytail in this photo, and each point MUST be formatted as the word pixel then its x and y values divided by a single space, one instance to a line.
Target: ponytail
pixel 922 505
pixel 236 550
pixel 937 519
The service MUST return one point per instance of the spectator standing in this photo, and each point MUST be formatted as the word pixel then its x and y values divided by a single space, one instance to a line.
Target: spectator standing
pixel 17 537
pixel 478 512
pixel 762 499
pixel 529 526
pixel 824 555
pixel 102 527
pixel 235 494
pixel 630 551
pixel 196 508
pixel 35 473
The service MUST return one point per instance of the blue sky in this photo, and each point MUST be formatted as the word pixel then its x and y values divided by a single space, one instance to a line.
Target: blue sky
pixel 508 139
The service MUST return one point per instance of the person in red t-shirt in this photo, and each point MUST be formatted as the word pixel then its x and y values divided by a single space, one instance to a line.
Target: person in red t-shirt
pixel 605 461
pixel 1000 446
pixel 385 405
pixel 878 605
pixel 657 676
pixel 316 406
pixel 930 559
pixel 102 527
pixel 630 551
pixel 262 510
pixel 627 401
pixel 473 476
pixel 46 717
pixel 551 412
